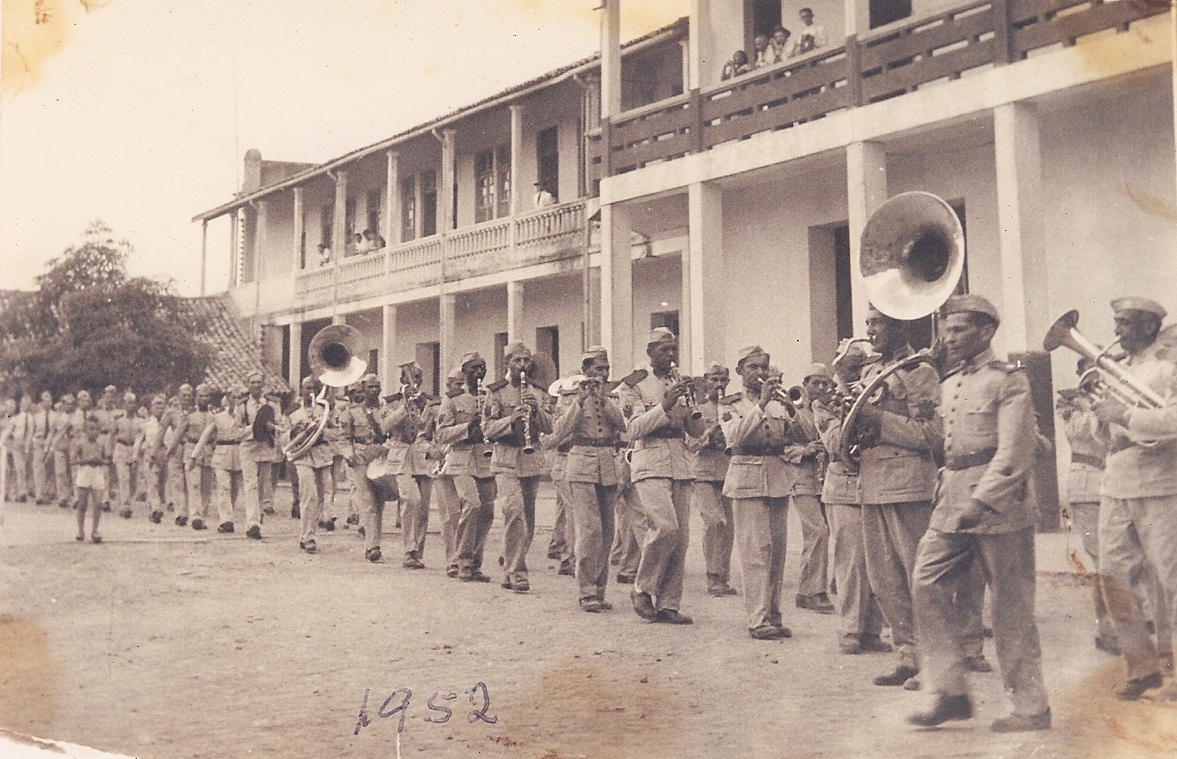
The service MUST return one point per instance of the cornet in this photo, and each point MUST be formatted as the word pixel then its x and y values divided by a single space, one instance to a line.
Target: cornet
pixel 691 401
pixel 789 398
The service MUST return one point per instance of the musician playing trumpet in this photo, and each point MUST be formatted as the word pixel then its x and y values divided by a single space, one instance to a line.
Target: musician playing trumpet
pixel 1138 506
pixel 412 424
pixel 513 419
pixel 314 467
pixel 363 428
pixel 709 462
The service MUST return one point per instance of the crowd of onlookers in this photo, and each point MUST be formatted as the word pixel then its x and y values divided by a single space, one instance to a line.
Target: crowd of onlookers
pixel 360 244
pixel 771 49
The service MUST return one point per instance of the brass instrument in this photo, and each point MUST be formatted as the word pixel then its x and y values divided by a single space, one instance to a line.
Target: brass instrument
pixel 480 395
pixel 911 258
pixel 690 400
pixel 789 398
pixel 527 446
pixel 334 357
pixel 1106 378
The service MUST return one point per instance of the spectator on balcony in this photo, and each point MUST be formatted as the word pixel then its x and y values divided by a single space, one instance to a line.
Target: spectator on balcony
pixel 373 240
pixel 324 254
pixel 360 245
pixel 779 44
pixel 736 66
pixel 543 198
pixel 811 37
pixel 761 51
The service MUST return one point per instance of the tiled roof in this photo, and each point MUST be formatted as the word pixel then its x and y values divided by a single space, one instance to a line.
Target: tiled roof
pixel 235 355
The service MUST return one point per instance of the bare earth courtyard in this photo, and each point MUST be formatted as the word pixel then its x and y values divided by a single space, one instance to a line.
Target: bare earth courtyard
pixel 164 642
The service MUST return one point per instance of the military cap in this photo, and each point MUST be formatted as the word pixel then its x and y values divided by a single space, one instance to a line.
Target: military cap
pixel 593 352
pixel 308 382
pixel 129 397
pixel 819 370
pixel 110 389
pixel 469 358
pixel 716 368
pixel 660 335
pixel 410 365
pixel 81 393
pixel 565 385
pixel 255 376
pixel 1138 304
pixel 369 379
pixel 748 352
pixel 516 349
pixel 976 304
pixel 184 387
pixel 456 372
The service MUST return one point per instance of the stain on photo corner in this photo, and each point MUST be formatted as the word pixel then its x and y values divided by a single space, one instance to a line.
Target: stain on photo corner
pixel 28 676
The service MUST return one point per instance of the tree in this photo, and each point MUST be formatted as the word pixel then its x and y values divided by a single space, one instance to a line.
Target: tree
pixel 88 325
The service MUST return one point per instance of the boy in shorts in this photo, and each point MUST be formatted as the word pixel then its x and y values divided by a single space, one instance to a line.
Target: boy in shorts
pixel 91 458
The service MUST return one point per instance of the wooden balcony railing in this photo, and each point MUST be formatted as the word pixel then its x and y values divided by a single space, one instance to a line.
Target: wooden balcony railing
pixel 884 64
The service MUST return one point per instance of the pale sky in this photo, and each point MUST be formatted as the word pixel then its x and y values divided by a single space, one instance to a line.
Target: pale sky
pixel 141 115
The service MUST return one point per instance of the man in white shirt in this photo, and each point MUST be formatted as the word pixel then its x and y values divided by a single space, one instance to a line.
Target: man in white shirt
pixel 811 37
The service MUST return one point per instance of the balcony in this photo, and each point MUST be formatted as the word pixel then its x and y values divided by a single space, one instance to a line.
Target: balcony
pixel 541 236
pixel 887 63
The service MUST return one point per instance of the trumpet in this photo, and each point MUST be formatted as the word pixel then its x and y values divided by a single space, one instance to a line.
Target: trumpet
pixel 480 395
pixel 527 446
pixel 690 399
pixel 789 398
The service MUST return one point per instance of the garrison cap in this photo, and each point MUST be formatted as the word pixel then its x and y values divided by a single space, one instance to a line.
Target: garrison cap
pixel 457 373
pixel 660 335
pixel 129 397
pixel 110 389
pixel 593 352
pixel 819 370
pixel 410 365
pixel 308 382
pixel 469 358
pixel 85 393
pixel 716 368
pixel 565 385
pixel 748 352
pixel 255 376
pixel 976 304
pixel 1138 304
pixel 516 349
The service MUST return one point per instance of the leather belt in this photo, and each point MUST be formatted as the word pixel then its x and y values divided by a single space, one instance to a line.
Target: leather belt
pixel 227 442
pixel 1083 458
pixel 124 442
pixel 969 460
pixel 667 433
pixel 588 442
pixel 757 450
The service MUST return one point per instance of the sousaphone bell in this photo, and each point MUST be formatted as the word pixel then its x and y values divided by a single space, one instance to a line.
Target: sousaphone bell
pixel 334 358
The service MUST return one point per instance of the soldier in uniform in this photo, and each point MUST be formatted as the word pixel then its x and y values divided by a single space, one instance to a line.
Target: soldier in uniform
pixel 42 423
pixel 658 416
pixel 448 508
pixel 16 441
pixel 630 522
pixel 591 425
pixel 171 445
pixel 198 473
pixel 363 429
pixel 467 479
pixel 803 458
pixel 257 456
pixel 126 430
pixel 409 457
pixel 862 621
pixel 59 442
pixel 313 468
pixel 560 547
pixel 107 410
pixel 897 475
pixel 709 462
pixel 155 469
pixel 1138 506
pixel 223 435
pixel 513 419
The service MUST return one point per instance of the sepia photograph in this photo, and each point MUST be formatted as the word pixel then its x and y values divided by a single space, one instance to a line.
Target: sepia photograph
pixel 588 379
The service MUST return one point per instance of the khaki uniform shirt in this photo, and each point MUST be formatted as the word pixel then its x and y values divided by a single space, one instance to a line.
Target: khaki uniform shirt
pixel 465 455
pixel 593 420
pixel 321 454
pixel 363 430
pixel 748 428
pixel 194 423
pixel 126 431
pixel 659 447
pixel 42 424
pixel 1137 471
pixel 897 464
pixel 709 457
pixel 507 434
pixel 250 449
pixel 986 407
pixel 224 441
pixel 410 447
pixel 1087 448
pixel 841 485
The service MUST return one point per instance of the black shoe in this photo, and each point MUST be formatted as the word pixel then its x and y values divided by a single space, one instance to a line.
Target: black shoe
pixel 106 506
pixel 353 519
pixel 553 553
pixel 329 525
pixel 624 579
pixel 849 645
pixel 254 533
pixel 478 576
pixel 412 562
pixel 897 676
pixel 198 523
pixel 308 546
pixel 1020 723
pixel 226 527
pixel 126 513
pixel 566 569
pixel 157 516
pixel 946 708
pixel 451 571
pixel 978 664
pixel 362 532
pixel 605 605
pixel 873 644
pixel 521 585
pixel 590 605
pixel 770 632
pixel 1135 688
pixel 1150 627
pixel 181 521
pixel 672 617
pixel 373 554
pixel 269 510
pixel 643 605
pixel 295 512
pixel 819 603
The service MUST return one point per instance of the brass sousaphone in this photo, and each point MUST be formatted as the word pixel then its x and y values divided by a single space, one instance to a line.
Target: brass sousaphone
pixel 911 258
pixel 334 358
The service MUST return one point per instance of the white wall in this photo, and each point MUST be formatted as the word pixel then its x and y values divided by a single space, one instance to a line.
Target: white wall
pixel 478 316
pixel 415 323
pixel 656 281
pixel 556 301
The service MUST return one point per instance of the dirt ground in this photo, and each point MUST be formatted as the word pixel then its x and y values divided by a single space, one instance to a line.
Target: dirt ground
pixel 163 642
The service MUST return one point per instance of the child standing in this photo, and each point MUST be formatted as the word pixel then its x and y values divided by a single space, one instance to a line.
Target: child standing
pixel 92 458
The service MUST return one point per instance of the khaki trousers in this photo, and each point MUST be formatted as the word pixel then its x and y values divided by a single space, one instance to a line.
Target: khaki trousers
pixel 943 567
pixel 416 492
pixel 718 528
pixel 61 472
pixel 449 509
pixel 815 541
pixel 40 472
pixel 476 499
pixel 891 534
pixel 177 484
pixel 200 481
pixel 593 507
pixel 666 504
pixel 258 480
pixel 1134 533
pixel 562 538
pixel 629 531
pixel 761 533
pixel 517 495
pixel 314 484
pixel 228 484
pixel 856 603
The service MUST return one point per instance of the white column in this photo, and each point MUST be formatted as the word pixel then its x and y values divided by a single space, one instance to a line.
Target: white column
pixel 261 237
pixel 203 253
pixel 698 43
pixel 296 251
pixel 850 16
pixel 234 248
pixel 514 311
pixel 294 361
pixel 445 184
pixel 446 301
pixel 446 332
pixel 518 204
pixel 338 318
pixel 387 347
pixel 866 180
pixel 611 59
pixel 392 200
pixel 704 294
pixel 1024 316
pixel 339 227
pixel 617 287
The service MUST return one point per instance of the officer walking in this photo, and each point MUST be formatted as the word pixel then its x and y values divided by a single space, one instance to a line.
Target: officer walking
pixel 127 431
pixel 803 457
pixel 363 429
pixel 258 452
pixel 409 458
pixel 60 434
pixel 171 443
pixel 982 516
pixel 42 424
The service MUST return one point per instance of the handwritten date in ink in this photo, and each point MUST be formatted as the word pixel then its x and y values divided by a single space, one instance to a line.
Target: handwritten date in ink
pixel 397 705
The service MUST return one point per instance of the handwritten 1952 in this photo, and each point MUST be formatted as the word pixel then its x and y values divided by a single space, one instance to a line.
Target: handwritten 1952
pixel 397 705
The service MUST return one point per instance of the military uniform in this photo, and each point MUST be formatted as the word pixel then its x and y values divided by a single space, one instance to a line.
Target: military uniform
pixel 897 475
pixel 804 497
pixel 172 443
pixel 223 434
pixel 257 461
pixel 154 469
pixel 709 464
pixel 410 458
pixel 467 482
pixel 127 431
pixel 60 435
pixel 661 472
pixel 314 472
pixel 989 445
pixel 16 442
pixel 630 523
pixel 517 473
pixel 591 427
pixel 198 474
pixel 563 538
pixel 41 424
pixel 363 430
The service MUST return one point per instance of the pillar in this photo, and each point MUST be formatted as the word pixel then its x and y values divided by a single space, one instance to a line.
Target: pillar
pixel 388 373
pixel 445 185
pixel 297 251
pixel 1024 316
pixel 294 360
pixel 611 59
pixel 617 287
pixel 514 311
pixel 699 46
pixel 866 180
pixel 518 191
pixel 704 292
pixel 446 301
pixel 234 248
pixel 855 25
pixel 203 253
pixel 339 227
pixel 446 320
pixel 261 237
pixel 392 200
